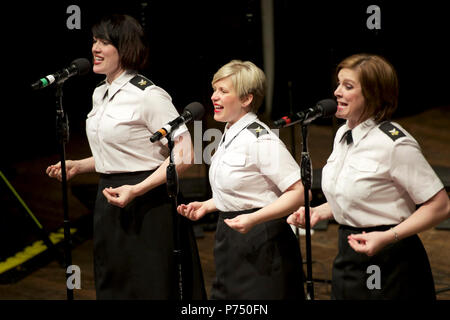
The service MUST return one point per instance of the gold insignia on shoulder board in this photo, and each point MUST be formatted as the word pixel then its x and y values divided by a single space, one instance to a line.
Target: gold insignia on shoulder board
pixel 258 130
pixel 142 82
pixel 393 132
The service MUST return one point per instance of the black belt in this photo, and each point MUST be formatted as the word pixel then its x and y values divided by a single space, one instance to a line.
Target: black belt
pixel 233 214
pixel 367 229
pixel 125 174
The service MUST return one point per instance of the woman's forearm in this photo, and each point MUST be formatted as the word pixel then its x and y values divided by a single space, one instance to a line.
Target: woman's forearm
pixel 183 159
pixel 324 211
pixel 210 206
pixel 287 203
pixel 86 165
pixel 427 216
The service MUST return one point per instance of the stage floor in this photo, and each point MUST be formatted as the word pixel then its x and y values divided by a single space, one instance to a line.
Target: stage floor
pixel 42 195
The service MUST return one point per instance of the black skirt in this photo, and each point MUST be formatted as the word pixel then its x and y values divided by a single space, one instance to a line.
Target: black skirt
pixel 264 263
pixel 401 270
pixel 133 246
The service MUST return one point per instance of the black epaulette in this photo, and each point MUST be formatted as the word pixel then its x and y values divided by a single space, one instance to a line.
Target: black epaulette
pixel 391 131
pixel 141 82
pixel 257 129
pixel 101 83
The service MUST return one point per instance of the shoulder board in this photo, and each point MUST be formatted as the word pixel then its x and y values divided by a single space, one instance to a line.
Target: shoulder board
pixel 101 83
pixel 141 82
pixel 391 131
pixel 257 129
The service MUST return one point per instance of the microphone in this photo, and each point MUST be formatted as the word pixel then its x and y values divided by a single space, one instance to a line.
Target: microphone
pixel 193 111
pixel 79 66
pixel 323 108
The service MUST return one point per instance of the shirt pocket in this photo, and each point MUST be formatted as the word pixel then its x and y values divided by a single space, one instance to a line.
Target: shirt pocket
pixel 92 113
pixel 234 160
pixel 361 177
pixel 363 165
pixel 332 157
pixel 328 174
pixel 232 171
pixel 91 120
pixel 117 125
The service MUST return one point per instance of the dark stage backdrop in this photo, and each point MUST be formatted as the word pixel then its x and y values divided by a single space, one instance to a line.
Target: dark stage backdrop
pixel 189 40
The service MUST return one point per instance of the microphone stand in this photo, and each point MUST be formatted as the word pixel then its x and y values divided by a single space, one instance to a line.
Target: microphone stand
pixel 306 175
pixel 172 190
pixel 62 133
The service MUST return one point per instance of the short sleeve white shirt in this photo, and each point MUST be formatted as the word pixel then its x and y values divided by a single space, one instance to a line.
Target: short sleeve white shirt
pixel 124 116
pixel 379 178
pixel 251 168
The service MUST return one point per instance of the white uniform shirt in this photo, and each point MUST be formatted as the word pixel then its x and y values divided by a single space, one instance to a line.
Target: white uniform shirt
pixel 125 114
pixel 251 168
pixel 379 178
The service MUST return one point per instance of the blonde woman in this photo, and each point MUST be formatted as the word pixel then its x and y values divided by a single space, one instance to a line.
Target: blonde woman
pixel 255 183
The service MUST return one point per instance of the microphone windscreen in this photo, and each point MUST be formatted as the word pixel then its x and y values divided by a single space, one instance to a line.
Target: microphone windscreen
pixel 83 65
pixel 329 107
pixel 196 109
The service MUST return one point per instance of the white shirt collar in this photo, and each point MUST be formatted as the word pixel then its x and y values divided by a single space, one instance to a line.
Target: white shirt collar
pixel 118 83
pixel 238 126
pixel 361 130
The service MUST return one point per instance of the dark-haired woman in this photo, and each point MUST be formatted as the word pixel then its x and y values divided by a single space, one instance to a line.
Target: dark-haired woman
pixel 133 236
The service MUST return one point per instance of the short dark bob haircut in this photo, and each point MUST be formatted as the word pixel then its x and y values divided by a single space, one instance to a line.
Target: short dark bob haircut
pixel 127 36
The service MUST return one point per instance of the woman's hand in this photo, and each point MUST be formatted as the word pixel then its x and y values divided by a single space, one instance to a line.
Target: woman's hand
pixel 120 196
pixel 370 243
pixel 298 217
pixel 194 210
pixel 242 223
pixel 54 171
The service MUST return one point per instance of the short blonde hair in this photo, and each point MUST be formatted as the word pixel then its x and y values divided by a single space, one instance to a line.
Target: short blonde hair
pixel 379 84
pixel 247 79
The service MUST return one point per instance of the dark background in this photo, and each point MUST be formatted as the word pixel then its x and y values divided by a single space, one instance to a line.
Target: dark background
pixel 190 40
